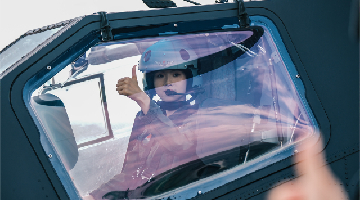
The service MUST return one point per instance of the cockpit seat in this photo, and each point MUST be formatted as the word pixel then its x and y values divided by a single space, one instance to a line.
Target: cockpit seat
pixel 55 122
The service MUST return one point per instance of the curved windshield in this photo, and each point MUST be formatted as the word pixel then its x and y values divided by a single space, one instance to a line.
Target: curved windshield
pixel 139 118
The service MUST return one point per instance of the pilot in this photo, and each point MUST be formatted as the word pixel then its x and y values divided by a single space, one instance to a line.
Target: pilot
pixel 163 134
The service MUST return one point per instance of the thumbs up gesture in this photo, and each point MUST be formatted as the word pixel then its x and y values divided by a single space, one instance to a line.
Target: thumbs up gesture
pixel 129 87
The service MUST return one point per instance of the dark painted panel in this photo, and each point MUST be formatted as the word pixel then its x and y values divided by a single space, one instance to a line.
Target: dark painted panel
pixel 338 169
pixel 21 172
pixel 352 175
pixel 260 188
pixel 171 11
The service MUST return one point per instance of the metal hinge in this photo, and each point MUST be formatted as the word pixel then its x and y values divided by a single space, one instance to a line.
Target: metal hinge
pixel 244 20
pixel 105 27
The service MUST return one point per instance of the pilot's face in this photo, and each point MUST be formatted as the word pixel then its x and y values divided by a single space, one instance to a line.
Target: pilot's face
pixel 173 80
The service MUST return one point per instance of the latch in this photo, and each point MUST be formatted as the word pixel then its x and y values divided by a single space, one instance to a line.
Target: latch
pixel 105 27
pixel 244 20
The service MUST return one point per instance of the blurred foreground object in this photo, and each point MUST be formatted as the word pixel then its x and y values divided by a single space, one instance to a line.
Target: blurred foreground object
pixel 316 181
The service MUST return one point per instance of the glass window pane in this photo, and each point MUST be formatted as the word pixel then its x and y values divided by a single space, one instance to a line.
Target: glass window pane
pixel 87 124
pixel 22 47
pixel 197 105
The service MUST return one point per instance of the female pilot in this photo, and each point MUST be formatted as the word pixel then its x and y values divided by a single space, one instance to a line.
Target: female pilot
pixel 163 134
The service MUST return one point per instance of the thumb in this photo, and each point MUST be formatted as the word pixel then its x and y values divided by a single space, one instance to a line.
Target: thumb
pixel 134 77
pixel 311 158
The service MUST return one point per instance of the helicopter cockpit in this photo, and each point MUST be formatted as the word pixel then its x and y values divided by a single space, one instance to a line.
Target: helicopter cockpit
pixel 249 111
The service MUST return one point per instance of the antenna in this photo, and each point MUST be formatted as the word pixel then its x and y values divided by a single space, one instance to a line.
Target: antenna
pixel 192 2
pixel 159 3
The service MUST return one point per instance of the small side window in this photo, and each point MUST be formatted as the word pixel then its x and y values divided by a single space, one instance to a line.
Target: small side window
pixel 22 47
pixel 194 106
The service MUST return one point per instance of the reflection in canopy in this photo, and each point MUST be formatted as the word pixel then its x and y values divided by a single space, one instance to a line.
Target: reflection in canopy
pixel 246 107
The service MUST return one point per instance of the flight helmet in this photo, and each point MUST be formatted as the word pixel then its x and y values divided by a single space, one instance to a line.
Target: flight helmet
pixel 169 54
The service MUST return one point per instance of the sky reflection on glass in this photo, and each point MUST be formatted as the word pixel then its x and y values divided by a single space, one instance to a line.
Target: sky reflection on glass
pixel 249 107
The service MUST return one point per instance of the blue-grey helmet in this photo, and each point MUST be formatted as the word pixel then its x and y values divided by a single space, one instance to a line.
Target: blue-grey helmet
pixel 169 54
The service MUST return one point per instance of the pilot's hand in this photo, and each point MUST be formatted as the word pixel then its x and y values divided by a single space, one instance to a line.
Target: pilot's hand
pixel 129 87
pixel 316 182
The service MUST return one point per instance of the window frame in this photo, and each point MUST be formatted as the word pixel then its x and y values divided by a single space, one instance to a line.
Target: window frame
pixel 78 36
pixel 103 105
